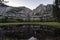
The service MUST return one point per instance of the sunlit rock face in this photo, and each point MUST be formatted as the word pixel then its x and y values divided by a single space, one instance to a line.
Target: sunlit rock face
pixel 14 12
pixel 43 9
pixel 19 12
pixel 38 12
pixel 42 12
pixel 40 9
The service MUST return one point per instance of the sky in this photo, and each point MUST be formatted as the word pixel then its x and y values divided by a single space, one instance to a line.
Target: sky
pixel 32 4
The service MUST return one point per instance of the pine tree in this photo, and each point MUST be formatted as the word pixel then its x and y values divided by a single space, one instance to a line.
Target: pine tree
pixel 56 10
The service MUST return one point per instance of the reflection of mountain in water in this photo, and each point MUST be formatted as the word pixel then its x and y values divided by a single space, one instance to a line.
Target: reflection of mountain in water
pixel 29 32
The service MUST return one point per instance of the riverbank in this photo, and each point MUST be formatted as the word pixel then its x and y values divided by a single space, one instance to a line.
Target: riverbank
pixel 55 24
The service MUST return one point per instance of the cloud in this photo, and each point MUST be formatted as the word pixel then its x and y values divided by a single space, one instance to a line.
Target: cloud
pixel 28 3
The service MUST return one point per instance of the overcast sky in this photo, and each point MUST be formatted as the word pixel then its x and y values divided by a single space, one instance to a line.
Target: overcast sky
pixel 32 4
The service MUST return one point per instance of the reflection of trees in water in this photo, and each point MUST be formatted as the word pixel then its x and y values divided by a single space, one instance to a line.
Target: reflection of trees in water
pixel 18 32
pixel 26 32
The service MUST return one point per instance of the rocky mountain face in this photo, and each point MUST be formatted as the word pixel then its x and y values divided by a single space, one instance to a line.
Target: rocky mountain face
pixel 49 9
pixel 2 10
pixel 41 9
pixel 18 13
pixel 14 12
pixel 42 12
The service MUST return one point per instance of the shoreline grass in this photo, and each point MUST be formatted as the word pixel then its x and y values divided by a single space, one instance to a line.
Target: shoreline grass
pixel 56 24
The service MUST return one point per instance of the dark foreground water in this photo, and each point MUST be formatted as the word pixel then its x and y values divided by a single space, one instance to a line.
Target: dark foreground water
pixel 29 32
